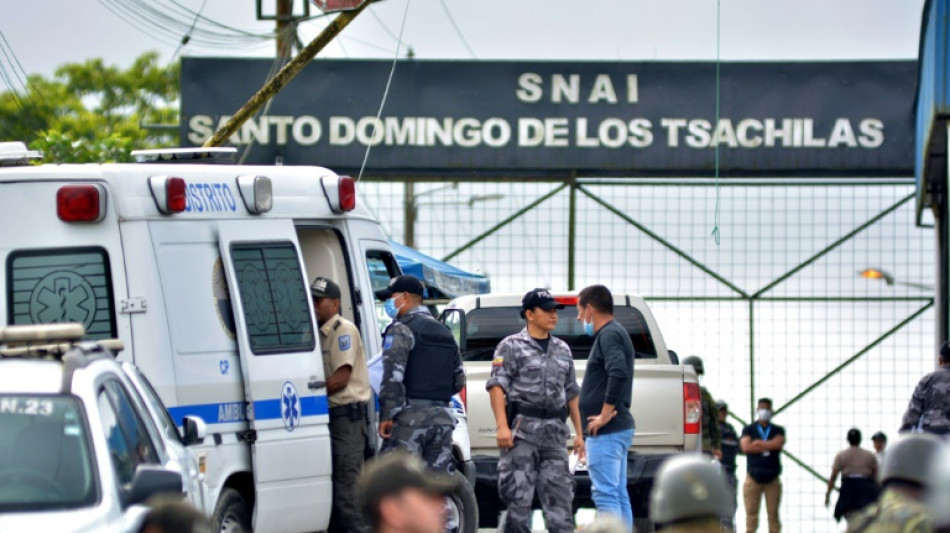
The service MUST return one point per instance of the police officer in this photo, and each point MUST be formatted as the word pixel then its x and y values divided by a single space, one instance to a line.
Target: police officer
pixel 905 476
pixel 710 424
pixel 689 496
pixel 730 448
pixel 930 405
pixel 422 369
pixel 533 388
pixel 348 393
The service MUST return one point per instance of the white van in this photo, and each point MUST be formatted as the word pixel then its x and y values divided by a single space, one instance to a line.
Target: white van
pixel 202 270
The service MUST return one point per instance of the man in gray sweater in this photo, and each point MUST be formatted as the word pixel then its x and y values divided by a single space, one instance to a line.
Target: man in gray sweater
pixel 605 402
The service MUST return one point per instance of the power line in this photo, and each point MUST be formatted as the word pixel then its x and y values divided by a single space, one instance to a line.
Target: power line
pixel 389 81
pixel 458 31
pixel 382 24
pixel 187 37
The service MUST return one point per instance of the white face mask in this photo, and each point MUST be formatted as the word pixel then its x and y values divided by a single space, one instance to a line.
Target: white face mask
pixel 764 415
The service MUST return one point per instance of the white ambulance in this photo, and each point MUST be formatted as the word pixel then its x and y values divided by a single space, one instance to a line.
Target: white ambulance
pixel 203 270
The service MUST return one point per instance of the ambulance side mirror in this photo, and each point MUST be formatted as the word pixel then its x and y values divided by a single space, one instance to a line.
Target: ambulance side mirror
pixel 454 319
pixel 195 430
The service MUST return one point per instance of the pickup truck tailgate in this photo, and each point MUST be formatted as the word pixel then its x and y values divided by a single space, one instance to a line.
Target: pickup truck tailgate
pixel 657 406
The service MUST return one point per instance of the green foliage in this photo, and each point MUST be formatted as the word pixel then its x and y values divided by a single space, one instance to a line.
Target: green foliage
pixel 91 112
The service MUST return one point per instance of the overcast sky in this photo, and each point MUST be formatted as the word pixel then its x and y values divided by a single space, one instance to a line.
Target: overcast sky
pixel 46 33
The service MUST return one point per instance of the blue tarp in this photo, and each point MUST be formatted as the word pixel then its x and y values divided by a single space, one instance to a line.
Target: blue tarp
pixel 441 279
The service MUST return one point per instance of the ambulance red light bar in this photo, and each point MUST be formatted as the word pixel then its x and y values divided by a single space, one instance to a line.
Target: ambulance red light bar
pixel 566 300
pixel 81 203
pixel 347 193
pixel 169 193
pixel 340 192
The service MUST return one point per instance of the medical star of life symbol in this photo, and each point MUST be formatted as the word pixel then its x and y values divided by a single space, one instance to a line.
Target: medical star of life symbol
pixel 62 297
pixel 290 406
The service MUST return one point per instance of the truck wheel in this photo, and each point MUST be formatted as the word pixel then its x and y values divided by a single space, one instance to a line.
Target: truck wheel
pixel 231 515
pixel 463 508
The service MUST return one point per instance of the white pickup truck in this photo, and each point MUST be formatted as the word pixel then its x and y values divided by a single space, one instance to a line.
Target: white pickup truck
pixel 666 399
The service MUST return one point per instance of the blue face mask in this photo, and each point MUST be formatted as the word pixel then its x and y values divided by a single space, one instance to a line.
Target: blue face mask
pixel 390 307
pixel 589 328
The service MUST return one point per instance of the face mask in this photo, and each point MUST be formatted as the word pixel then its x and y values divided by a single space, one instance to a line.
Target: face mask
pixel 589 328
pixel 390 307
pixel 765 415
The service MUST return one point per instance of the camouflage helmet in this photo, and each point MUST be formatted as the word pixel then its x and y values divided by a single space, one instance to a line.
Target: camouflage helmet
pixel 939 493
pixel 696 362
pixel 688 487
pixel 911 458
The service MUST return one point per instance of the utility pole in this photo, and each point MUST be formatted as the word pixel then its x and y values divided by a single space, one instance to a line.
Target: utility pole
pixel 286 28
pixel 286 74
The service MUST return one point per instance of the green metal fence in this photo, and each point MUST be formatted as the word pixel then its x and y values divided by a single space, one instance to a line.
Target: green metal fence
pixel 779 308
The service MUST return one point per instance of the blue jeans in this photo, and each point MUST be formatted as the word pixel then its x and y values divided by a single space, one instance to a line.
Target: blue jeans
pixel 607 466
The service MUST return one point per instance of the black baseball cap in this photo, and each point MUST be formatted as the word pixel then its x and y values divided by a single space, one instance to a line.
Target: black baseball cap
pixel 539 298
pixel 721 404
pixel 324 288
pixel 879 436
pixel 410 284
pixel 394 472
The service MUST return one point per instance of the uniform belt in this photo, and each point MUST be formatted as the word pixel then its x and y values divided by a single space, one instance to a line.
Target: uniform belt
pixel 424 402
pixel 350 410
pixel 937 431
pixel 524 409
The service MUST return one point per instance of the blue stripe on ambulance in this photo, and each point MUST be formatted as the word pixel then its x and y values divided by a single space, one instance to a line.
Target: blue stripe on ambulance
pixel 230 412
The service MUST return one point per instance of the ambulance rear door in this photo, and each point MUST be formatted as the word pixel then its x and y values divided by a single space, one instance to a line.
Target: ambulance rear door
pixel 282 368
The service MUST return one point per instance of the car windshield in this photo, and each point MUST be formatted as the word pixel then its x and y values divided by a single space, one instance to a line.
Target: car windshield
pixel 486 327
pixel 45 462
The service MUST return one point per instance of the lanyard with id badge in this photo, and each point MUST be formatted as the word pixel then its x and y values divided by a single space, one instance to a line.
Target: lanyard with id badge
pixel 764 435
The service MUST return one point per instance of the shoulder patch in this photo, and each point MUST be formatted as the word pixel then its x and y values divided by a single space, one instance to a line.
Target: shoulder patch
pixel 498 361
pixel 345 342
pixel 387 342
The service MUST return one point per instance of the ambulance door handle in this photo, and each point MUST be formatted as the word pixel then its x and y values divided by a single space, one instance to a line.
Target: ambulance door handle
pixel 314 384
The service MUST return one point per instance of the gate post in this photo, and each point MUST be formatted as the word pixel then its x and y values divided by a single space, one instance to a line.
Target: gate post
pixel 571 232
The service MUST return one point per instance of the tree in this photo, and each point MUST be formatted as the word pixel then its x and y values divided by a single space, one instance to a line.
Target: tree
pixel 90 112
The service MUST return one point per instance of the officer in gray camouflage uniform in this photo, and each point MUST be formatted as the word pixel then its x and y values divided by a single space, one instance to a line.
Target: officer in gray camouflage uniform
pixel 930 405
pixel 533 388
pixel 422 369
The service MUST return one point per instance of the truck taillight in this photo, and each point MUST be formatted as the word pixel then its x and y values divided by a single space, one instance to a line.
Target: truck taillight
pixel 692 409
pixel 566 300
pixel 463 394
pixel 80 203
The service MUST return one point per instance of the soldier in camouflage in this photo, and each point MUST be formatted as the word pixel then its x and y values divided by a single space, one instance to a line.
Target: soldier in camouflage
pixel 929 407
pixel 907 480
pixel 533 388
pixel 712 437
pixel 422 369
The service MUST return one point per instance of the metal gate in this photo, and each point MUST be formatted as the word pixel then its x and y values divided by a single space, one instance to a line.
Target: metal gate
pixel 819 294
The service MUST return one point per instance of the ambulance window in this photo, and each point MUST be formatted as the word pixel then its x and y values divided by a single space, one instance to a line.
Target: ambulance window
pixel 274 297
pixel 382 267
pixel 62 285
